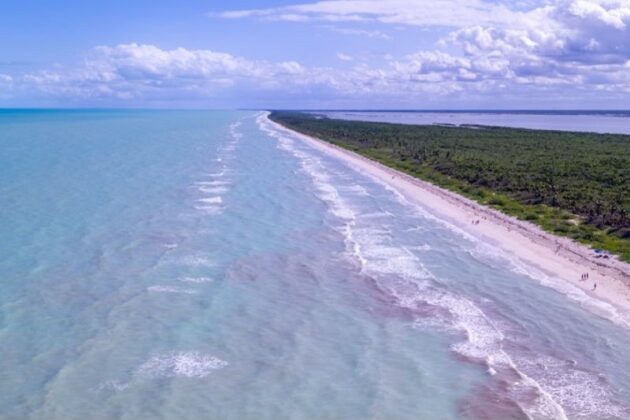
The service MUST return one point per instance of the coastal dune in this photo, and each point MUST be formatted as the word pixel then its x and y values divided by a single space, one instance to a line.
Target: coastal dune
pixel 557 262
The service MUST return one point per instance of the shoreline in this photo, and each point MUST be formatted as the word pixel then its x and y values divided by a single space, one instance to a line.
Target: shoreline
pixel 561 259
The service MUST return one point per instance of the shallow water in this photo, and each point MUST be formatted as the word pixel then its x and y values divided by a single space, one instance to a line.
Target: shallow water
pixel 186 265
pixel 614 122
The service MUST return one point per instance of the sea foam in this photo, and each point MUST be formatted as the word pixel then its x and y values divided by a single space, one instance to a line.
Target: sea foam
pixel 171 289
pixel 186 364
pixel 400 274
pixel 213 190
pixel 196 279
pixel 211 200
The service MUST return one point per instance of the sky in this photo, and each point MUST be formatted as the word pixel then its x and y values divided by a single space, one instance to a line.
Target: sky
pixel 334 54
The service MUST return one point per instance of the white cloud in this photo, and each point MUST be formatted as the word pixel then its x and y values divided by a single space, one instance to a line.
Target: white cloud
pixel 580 30
pixel 450 13
pixel 572 45
pixel 588 31
pixel 133 70
pixel 6 85
pixel 360 32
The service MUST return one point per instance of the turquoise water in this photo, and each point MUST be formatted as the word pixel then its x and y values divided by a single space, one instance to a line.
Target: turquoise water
pixel 186 265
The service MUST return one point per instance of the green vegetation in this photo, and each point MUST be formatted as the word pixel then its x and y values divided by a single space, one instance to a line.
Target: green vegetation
pixel 571 184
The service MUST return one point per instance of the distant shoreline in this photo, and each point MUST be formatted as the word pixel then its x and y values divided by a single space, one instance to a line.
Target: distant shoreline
pixel 473 111
pixel 560 259
pixel 601 122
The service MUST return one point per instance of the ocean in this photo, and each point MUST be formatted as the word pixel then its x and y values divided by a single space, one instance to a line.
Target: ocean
pixel 204 264
pixel 607 122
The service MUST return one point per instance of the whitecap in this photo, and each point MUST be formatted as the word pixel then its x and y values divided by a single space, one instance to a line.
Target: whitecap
pixel 211 200
pixel 171 289
pixel 578 390
pixel 210 210
pixel 213 190
pixel 424 247
pixel 212 183
pixel 196 279
pixel 355 189
pixel 185 364
pixel 196 260
pixel 398 272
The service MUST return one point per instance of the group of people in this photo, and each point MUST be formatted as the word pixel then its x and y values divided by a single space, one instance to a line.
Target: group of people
pixel 475 222
pixel 585 277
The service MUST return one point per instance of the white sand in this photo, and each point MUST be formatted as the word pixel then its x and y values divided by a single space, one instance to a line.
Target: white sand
pixel 562 260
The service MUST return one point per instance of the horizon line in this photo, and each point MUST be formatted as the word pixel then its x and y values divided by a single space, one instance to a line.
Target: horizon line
pixel 490 110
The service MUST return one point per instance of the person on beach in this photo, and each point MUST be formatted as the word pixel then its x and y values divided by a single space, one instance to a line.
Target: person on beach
pixel 594 287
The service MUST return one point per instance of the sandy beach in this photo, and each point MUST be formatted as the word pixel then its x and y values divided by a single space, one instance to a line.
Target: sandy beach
pixel 560 261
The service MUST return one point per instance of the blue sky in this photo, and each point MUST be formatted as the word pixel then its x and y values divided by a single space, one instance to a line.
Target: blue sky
pixel 316 54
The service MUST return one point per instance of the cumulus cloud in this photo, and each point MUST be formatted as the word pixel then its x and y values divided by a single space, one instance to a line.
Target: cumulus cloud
pixel 584 43
pixel 133 70
pixel 589 31
pixel 571 45
pixel 581 30
pixel 581 44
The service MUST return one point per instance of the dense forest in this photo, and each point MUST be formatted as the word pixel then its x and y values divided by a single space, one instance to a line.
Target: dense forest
pixel 574 184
